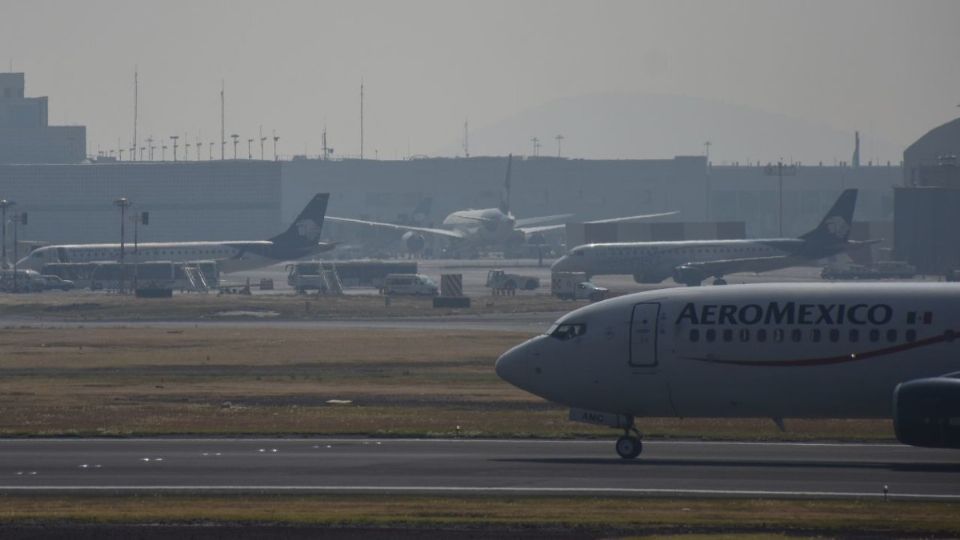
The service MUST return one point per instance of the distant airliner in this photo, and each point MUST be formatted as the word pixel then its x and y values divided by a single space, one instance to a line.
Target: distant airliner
pixel 764 350
pixel 692 261
pixel 298 241
pixel 488 227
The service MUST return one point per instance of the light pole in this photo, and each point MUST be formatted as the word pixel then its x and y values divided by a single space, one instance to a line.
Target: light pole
pixel 4 204
pixel 249 148
pixel 174 139
pixel 18 218
pixel 211 151
pixel 137 219
pixel 559 139
pixel 275 139
pixel 262 139
pixel 163 153
pixel 150 144
pixel 780 170
pixel 186 151
pixel 123 203
pixel 235 138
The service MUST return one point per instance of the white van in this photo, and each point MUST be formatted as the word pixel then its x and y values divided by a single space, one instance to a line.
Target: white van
pixel 409 284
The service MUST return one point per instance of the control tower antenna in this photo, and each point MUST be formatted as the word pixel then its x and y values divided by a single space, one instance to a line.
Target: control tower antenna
pixel 223 137
pixel 136 88
pixel 466 138
pixel 361 118
pixel 323 138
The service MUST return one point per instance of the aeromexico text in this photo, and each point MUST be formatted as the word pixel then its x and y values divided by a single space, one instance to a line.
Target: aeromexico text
pixel 786 313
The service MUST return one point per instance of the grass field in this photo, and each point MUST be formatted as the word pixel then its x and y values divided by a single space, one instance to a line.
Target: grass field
pixel 155 381
pixel 601 516
pixel 98 306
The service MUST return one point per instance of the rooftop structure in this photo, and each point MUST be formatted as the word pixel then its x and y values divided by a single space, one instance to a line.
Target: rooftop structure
pixel 26 137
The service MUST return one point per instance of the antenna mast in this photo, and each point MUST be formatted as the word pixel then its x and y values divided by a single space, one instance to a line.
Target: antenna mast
pixel 361 118
pixel 466 138
pixel 136 88
pixel 223 138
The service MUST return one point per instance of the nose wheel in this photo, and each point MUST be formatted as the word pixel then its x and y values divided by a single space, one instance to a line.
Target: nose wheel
pixel 630 444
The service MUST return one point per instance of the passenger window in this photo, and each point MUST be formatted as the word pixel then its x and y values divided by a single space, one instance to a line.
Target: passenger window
pixel 834 335
pixel 762 335
pixel 854 335
pixel 564 332
pixel 728 335
pixel 711 335
pixel 874 335
pixel 778 335
pixel 694 335
pixel 796 335
pixel 891 335
pixel 911 335
pixel 744 335
pixel 815 335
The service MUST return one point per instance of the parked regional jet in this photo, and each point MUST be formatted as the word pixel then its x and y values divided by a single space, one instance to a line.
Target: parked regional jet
pixel 298 241
pixel 764 350
pixel 489 227
pixel 692 261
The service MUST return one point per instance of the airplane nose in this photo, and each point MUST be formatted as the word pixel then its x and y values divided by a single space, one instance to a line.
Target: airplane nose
pixel 510 366
pixel 560 265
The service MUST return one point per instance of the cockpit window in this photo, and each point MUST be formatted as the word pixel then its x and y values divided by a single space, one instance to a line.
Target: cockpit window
pixel 567 331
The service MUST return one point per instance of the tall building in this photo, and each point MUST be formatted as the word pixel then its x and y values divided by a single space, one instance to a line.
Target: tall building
pixel 26 137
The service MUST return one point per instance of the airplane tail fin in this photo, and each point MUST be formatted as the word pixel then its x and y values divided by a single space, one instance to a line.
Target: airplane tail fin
pixel 505 196
pixel 305 230
pixel 835 227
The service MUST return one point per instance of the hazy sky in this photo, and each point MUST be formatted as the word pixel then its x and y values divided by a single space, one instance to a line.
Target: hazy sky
pixel 891 69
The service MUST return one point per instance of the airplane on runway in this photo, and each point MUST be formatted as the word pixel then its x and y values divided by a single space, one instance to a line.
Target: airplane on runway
pixel 691 261
pixel 772 350
pixel 298 241
pixel 488 227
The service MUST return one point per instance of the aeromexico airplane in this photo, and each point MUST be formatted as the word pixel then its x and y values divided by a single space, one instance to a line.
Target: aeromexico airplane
pixel 764 350
pixel 488 227
pixel 298 241
pixel 692 261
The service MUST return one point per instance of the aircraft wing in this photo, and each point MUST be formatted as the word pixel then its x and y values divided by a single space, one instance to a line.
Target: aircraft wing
pixel 547 228
pixel 541 219
pixel 632 218
pixel 747 264
pixel 394 226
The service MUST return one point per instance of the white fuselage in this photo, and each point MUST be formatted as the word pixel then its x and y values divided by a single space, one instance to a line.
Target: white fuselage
pixel 489 225
pixel 230 256
pixel 770 350
pixel 652 262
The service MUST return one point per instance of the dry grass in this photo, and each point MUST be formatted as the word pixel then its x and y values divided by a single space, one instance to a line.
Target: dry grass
pixel 96 306
pixel 622 515
pixel 143 381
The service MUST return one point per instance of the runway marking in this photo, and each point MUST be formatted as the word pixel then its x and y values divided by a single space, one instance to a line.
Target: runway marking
pixel 502 489
pixel 468 441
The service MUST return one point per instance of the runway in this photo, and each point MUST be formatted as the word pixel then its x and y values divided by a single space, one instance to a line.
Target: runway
pixel 521 467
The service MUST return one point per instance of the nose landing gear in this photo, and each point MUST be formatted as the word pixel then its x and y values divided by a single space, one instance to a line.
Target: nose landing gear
pixel 630 444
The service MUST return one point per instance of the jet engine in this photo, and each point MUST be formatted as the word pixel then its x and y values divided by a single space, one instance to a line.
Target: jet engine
pixel 414 242
pixel 926 412
pixel 688 275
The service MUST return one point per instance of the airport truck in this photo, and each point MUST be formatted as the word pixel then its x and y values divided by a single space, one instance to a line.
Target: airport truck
pixel 501 280
pixel 574 286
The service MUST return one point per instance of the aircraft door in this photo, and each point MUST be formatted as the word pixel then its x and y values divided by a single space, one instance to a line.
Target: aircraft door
pixel 643 335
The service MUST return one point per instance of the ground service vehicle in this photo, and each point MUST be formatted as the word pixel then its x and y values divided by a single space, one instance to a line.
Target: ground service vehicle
pixel 574 286
pixel 499 279
pixel 56 282
pixel 409 284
